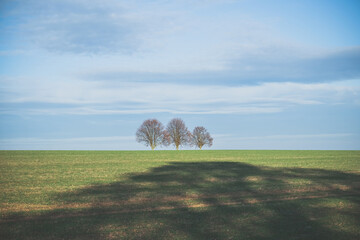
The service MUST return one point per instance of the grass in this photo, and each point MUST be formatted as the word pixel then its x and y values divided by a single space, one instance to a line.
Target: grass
pixel 179 195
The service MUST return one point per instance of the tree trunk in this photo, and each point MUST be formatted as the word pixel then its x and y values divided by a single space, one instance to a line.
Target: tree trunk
pixel 177 147
pixel 152 147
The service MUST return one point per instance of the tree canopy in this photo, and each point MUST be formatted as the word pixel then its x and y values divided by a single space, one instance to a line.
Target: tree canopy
pixel 201 137
pixel 151 133
pixel 178 134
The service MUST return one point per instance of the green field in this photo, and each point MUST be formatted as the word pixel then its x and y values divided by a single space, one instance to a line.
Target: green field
pixel 180 195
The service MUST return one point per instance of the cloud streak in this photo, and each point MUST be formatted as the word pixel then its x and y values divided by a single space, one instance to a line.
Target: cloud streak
pixel 336 65
pixel 293 136
pixel 84 143
pixel 321 141
pixel 102 98
pixel 78 27
pixel 171 39
pixel 102 111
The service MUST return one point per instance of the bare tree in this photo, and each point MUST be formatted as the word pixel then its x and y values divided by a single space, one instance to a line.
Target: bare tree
pixel 151 133
pixel 201 137
pixel 178 133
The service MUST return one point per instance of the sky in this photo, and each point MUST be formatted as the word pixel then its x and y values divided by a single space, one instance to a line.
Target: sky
pixel 257 74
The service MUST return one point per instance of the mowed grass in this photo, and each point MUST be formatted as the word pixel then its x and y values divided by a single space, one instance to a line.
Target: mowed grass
pixel 180 194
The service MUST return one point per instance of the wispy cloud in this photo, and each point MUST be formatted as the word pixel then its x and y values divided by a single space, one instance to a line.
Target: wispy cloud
pixel 83 143
pixel 80 139
pixel 173 37
pixel 93 98
pixel 287 136
pixel 82 92
pixel 101 111
pixel 327 66
pixel 90 27
pixel 319 141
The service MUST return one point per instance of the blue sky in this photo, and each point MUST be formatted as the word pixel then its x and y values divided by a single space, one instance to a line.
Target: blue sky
pixel 77 74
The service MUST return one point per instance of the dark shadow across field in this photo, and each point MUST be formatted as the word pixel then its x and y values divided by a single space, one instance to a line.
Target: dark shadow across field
pixel 203 200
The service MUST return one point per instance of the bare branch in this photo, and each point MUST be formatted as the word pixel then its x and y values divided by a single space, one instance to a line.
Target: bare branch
pixel 201 137
pixel 178 134
pixel 151 133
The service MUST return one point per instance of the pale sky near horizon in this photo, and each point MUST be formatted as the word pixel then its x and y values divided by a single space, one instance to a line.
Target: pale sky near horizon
pixel 258 74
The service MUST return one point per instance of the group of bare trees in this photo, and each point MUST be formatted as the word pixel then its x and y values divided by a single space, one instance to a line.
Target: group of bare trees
pixel 152 133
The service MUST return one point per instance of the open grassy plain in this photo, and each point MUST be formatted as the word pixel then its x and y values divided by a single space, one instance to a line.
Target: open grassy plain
pixel 180 195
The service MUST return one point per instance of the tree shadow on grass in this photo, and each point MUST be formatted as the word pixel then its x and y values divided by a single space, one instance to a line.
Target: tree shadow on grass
pixel 203 200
